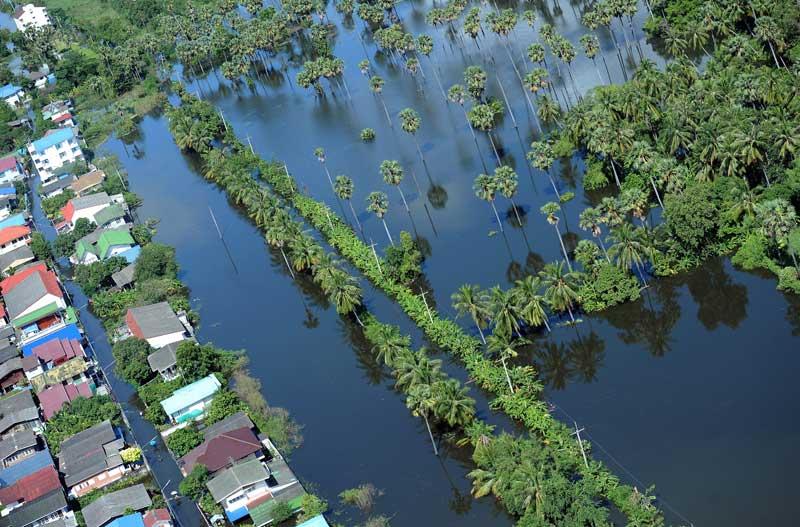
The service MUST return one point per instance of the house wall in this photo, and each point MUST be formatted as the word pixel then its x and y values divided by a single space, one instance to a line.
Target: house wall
pixel 98 481
pixel 12 174
pixel 14 100
pixel 18 456
pixel 55 157
pixel 162 340
pixel 19 242
pixel 201 405
pixel 87 213
pixel 45 300
pixel 245 495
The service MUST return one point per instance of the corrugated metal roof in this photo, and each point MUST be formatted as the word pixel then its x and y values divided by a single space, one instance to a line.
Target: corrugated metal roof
pixel 52 139
pixel 191 394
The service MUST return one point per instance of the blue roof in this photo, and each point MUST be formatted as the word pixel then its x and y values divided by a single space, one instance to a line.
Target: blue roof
pixel 70 331
pixel 131 254
pixel 316 521
pixel 27 466
pixel 236 514
pixel 13 221
pixel 53 138
pixel 8 90
pixel 7 191
pixel 191 394
pixel 131 520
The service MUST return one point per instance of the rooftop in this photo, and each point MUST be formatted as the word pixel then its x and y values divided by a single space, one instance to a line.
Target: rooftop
pixel 131 520
pixel 90 200
pixel 156 516
pixel 15 442
pixel 19 255
pixel 163 358
pixel 55 397
pixel 14 219
pixel 124 276
pixel 88 180
pixel 8 163
pixel 35 510
pixel 63 372
pixel 156 320
pixel 111 239
pixel 34 485
pixel 89 453
pixel 52 139
pixel 26 467
pixel 114 504
pixel 17 408
pixel 29 291
pixel 61 182
pixel 232 422
pixel 58 349
pixel 316 521
pixel 188 395
pixel 7 284
pixel 222 450
pixel 234 478
pixel 70 331
pixel 8 90
pixel 10 234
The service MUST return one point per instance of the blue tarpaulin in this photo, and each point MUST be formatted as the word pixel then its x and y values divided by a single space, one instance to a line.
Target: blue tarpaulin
pixel 70 331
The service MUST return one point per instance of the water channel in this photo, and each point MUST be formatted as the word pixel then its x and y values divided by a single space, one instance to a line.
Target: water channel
pixel 689 388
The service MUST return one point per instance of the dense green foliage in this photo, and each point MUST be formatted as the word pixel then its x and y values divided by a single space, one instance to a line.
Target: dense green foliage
pixel 64 244
pixel 96 275
pixel 194 485
pixel 79 415
pixel 183 440
pixel 40 247
pixel 196 361
pixel 130 356
pixel 155 261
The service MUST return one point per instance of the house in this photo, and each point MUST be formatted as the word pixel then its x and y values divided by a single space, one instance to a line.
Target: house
pixel 70 331
pixel 71 372
pixel 30 16
pixel 56 186
pixel 18 446
pixel 11 372
pixel 35 302
pixel 63 121
pixel 41 78
pixel 8 199
pixel 56 109
pixel 29 488
pixel 110 243
pixel 191 401
pixel 164 361
pixel 283 487
pixel 131 520
pixel 230 423
pixel 12 95
pixel 157 518
pixel 90 459
pixel 14 221
pixel 222 451
pixel 18 412
pixel 13 474
pixel 88 182
pixel 238 486
pixel 122 278
pixel 11 170
pixel 156 323
pixel 16 257
pixel 316 521
pixel 57 351
pixel 52 399
pixel 116 504
pixel 57 148
pixel 110 217
pixel 14 237
pixel 84 207
pixel 50 508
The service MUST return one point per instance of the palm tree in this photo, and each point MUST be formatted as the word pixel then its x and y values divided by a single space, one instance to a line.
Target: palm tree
pixel 389 345
pixel 549 110
pixel 503 312
pixel 505 348
pixel 541 157
pixel 627 249
pixel 457 95
pixel 392 173
pixel 590 220
pixel 344 190
pixel 475 79
pixel 319 153
pixel 346 294
pixel 507 182
pixel 550 210
pixel 379 204
pixel 425 46
pixel 485 188
pixel 529 302
pixel 560 288
pixel 483 117
pixel 591 47
pixel 278 236
pixel 410 122
pixel 376 85
pixel 325 269
pixel 469 299
pixel 420 401
pixel 305 252
pixel 452 404
pixel 417 374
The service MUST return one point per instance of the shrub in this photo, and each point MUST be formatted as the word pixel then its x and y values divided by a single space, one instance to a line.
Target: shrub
pixel 594 178
pixel 183 440
pixel 155 261
pixel 403 260
pixel 131 360
pixel 367 135
pixel 193 486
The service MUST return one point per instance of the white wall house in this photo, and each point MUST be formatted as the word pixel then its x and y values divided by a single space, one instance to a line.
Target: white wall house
pixel 14 237
pixel 56 149
pixel 28 16
pixel 84 207
pixel 10 170
pixel 12 95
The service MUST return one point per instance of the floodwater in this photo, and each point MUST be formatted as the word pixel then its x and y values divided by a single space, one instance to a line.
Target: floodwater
pixel 689 388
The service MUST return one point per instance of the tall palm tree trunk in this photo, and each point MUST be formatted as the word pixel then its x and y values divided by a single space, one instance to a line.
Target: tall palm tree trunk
pixel 286 260
pixel 563 247
pixel 508 377
pixel 355 216
pixel 496 215
pixel 430 434
pixel 386 228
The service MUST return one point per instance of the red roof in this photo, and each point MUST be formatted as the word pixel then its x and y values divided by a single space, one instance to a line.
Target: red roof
pixel 13 281
pixel 32 486
pixel 9 234
pixel 7 163
pixel 63 117
pixel 58 350
pixel 12 379
pixel 53 398
pixel 68 211
pixel 223 450
pixel 156 516
pixel 2 310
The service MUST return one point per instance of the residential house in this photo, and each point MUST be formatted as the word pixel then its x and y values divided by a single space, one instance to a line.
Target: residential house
pixel 131 520
pixel 223 451
pixel 14 237
pixel 15 258
pixel 122 278
pixel 283 487
pixel 12 95
pixel 316 521
pixel 191 401
pixel 18 412
pixel 11 475
pixel 35 302
pixel 88 182
pixel 111 217
pixel 91 459
pixel 230 423
pixel 164 361
pixel 68 332
pixel 63 121
pixel 56 109
pixel 11 170
pixel 109 244
pixel 50 508
pixel 54 398
pixel 29 488
pixel 156 323
pixel 84 207
pixel 8 199
pixel 30 16
pixel 72 371
pixel 18 446
pixel 54 150
pixel 11 372
pixel 115 504
pixel 56 185
pixel 14 221
pixel 157 518
pixel 239 486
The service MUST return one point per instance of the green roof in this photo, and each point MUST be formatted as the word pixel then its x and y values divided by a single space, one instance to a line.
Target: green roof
pixel 83 247
pixel 42 312
pixel 112 238
pixel 110 213
pixel 262 514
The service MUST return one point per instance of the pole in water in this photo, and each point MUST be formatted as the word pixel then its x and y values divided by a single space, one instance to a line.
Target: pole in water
pixel 251 146
pixel 375 254
pixel 120 179
pixel 224 123
pixel 580 443
pixel 426 305
pixel 215 222
pixel 291 183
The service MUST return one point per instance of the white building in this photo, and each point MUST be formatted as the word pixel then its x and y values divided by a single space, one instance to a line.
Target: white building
pixel 28 16
pixel 10 170
pixel 56 149
pixel 12 95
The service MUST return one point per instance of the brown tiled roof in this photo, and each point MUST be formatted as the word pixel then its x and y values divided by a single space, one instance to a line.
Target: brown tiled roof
pixel 222 450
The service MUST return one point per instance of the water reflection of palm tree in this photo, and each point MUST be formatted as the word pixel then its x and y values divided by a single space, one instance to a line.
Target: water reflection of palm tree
pixel 555 367
pixel 586 354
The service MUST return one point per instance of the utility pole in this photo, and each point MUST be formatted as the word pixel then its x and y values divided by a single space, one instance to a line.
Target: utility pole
pixel 224 123
pixel 426 305
pixel 375 254
pixel 215 222
pixel 251 146
pixel 580 443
